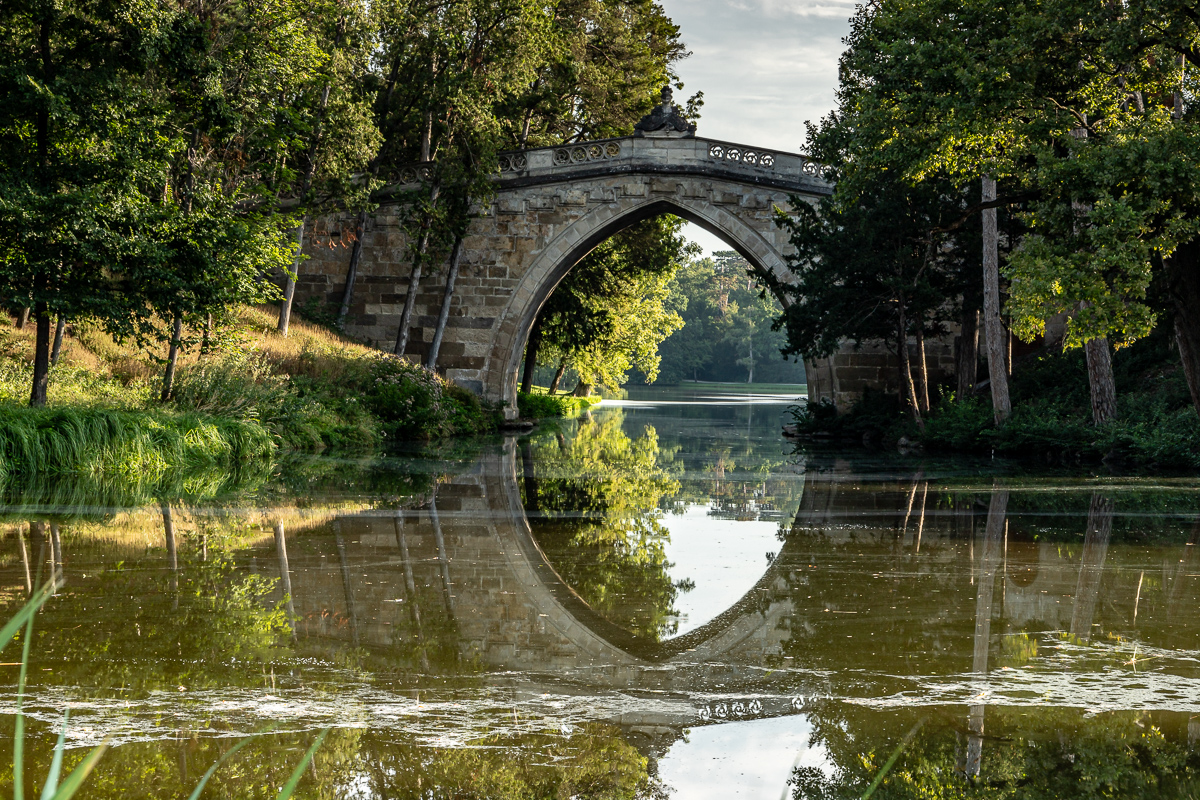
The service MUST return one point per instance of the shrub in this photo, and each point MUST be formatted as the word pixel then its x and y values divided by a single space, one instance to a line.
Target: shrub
pixel 543 406
pixel 416 403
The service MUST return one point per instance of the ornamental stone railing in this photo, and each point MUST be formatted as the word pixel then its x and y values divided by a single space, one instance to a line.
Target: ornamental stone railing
pixel 648 153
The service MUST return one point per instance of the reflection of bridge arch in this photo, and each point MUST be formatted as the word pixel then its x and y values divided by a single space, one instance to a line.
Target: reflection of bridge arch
pixel 510 608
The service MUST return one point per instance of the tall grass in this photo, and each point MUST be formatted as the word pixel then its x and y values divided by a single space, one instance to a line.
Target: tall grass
pixel 135 444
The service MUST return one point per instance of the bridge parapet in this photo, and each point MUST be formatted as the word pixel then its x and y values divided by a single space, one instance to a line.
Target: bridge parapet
pixel 649 154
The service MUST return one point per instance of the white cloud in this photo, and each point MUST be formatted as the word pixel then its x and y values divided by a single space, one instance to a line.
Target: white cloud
pixel 765 66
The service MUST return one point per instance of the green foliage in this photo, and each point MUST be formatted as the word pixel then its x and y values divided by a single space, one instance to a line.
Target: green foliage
pixel 538 405
pixel 1051 421
pixel 612 310
pixel 415 403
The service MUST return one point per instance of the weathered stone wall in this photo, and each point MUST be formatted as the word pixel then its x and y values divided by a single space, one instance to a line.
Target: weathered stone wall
pixel 844 376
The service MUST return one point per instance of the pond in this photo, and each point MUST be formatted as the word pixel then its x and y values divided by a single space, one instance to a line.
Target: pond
pixel 662 599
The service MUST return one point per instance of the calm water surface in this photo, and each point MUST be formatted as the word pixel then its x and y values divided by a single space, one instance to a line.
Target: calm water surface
pixel 661 600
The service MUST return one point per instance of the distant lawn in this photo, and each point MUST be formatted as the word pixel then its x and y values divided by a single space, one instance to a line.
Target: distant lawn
pixel 782 388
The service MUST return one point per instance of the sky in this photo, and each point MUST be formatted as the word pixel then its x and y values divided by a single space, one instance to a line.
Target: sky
pixel 765 66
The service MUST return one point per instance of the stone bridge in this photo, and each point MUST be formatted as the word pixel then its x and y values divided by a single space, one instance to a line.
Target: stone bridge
pixel 551 207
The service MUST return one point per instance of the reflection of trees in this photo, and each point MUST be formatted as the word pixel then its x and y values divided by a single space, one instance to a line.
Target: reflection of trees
pixel 190 636
pixel 1032 754
pixel 593 762
pixel 1027 752
pixel 740 482
pixel 593 501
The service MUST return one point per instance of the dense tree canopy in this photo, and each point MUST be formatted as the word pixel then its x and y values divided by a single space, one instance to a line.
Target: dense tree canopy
pixel 1081 111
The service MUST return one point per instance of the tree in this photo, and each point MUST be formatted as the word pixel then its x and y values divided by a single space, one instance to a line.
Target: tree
pixel 876 266
pixel 611 311
pixel 78 152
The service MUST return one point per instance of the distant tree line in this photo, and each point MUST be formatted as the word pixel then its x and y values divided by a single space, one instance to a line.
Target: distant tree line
pixel 729 331
pixel 161 159
pixel 1002 166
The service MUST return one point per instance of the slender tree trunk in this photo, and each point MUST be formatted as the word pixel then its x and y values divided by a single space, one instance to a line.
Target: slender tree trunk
pixel 23 318
pixel 427 137
pixel 922 371
pixel 285 574
pixel 41 358
pixel 352 271
pixel 558 375
pixel 289 285
pixel 531 351
pixel 907 388
pixel 59 329
pixel 310 171
pixel 993 327
pixel 967 361
pixel 414 278
pixel 1183 279
pixel 444 314
pixel 1100 380
pixel 207 337
pixel 750 375
pixel 172 359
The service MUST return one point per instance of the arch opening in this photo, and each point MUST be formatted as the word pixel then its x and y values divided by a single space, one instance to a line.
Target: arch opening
pixel 585 235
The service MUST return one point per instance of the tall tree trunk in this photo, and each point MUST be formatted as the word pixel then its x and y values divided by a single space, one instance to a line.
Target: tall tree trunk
pixel 1091 567
pixel 967 359
pixel 414 278
pixel 289 285
pixel 1183 280
pixel 582 389
pixel 922 371
pixel 352 271
pixel 558 375
pixel 993 326
pixel 41 358
pixel 1100 380
pixel 531 352
pixel 993 546
pixel 59 329
pixel 172 359
pixel 907 388
pixel 23 318
pixel 310 171
pixel 444 314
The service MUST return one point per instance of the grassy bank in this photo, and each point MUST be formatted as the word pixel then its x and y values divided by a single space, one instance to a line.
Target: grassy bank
pixel 1051 421
pixel 253 393
pixel 539 404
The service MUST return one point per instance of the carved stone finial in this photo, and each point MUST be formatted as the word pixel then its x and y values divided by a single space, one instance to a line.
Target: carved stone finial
pixel 665 119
